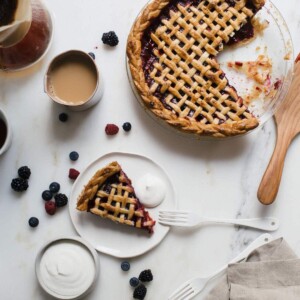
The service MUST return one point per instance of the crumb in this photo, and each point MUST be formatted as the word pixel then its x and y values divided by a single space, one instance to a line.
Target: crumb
pixel 259 71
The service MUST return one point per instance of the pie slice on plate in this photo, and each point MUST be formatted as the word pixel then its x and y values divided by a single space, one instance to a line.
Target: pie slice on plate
pixel 172 53
pixel 109 194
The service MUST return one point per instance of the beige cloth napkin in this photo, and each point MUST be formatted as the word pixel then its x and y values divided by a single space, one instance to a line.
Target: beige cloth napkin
pixel 271 272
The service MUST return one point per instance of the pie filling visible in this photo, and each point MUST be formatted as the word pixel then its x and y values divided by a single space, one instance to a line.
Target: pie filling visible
pixel 178 59
pixel 109 194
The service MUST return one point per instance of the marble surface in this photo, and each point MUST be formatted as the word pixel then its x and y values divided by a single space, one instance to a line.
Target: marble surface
pixel 217 179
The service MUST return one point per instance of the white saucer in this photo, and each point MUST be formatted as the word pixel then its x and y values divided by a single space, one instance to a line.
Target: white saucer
pixel 115 239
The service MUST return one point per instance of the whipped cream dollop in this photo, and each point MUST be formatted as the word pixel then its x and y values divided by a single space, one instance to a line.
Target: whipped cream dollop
pixel 150 190
pixel 67 268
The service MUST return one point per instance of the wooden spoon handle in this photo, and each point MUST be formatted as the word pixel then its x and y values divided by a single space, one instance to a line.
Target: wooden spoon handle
pixel 271 180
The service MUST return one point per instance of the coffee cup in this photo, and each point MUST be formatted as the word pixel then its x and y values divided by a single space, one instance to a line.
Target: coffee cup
pixel 5 132
pixel 73 80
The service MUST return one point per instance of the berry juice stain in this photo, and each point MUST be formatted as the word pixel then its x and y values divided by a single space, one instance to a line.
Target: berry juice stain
pixel 3 133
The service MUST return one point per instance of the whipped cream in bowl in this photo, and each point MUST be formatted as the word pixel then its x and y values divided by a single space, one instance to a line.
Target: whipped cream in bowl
pixel 67 268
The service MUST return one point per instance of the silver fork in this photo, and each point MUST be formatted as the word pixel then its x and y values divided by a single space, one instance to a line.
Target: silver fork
pixel 191 219
pixel 194 286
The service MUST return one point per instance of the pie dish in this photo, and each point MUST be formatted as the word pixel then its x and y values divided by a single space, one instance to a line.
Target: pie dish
pixel 109 194
pixel 172 54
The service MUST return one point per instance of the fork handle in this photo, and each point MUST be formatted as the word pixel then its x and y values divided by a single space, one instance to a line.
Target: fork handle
pixel 267 224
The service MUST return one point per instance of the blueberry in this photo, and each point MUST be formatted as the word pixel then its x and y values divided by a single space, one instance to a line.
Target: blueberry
pixel 33 222
pixel 54 187
pixel 125 266
pixel 134 282
pixel 92 55
pixel 127 126
pixel 47 195
pixel 74 155
pixel 63 117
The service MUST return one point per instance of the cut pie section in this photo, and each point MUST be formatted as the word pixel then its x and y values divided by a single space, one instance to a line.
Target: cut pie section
pixel 172 50
pixel 109 194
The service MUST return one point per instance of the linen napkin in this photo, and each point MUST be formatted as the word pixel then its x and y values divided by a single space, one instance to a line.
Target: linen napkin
pixel 272 271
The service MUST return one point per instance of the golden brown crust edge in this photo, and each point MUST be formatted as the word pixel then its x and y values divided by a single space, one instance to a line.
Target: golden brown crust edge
pixel 134 48
pixel 92 186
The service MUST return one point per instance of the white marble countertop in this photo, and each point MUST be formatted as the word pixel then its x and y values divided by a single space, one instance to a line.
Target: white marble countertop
pixel 217 179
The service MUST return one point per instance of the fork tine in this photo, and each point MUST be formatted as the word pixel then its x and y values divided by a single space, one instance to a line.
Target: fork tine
pixel 182 219
pixel 171 222
pixel 174 212
pixel 182 291
pixel 190 296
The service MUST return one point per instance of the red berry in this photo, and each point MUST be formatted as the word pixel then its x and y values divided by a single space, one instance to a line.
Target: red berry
pixel 73 174
pixel 50 207
pixel 111 129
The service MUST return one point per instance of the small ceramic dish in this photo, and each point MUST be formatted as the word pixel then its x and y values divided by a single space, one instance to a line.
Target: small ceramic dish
pixel 5 132
pixel 67 268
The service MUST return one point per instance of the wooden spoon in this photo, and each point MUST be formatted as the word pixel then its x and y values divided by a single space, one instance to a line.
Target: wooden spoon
pixel 288 126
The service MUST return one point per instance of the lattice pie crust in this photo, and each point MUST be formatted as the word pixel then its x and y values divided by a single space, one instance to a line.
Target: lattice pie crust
pixel 172 50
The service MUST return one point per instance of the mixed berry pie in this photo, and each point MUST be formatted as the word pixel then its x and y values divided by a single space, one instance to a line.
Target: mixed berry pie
pixel 109 194
pixel 172 52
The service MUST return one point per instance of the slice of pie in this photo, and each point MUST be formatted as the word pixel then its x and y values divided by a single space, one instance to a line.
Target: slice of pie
pixel 172 50
pixel 109 194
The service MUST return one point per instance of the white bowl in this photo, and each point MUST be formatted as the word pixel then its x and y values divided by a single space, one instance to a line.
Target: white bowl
pixel 8 140
pixel 65 242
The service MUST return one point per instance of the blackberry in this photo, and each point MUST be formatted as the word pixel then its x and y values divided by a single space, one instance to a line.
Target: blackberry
pixel 33 222
pixel 74 155
pixel 140 292
pixel 110 38
pixel 61 200
pixel 92 55
pixel 47 195
pixel 125 266
pixel 146 276
pixel 24 172
pixel 54 187
pixel 19 184
pixel 127 126
pixel 134 282
pixel 63 117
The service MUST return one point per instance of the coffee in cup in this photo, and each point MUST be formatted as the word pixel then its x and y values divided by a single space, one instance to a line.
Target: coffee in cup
pixel 73 80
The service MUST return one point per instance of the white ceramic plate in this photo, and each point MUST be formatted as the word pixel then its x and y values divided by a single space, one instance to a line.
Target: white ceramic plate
pixel 115 239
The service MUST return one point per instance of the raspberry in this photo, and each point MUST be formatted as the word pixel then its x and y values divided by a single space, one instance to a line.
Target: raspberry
pixel 111 129
pixel 24 172
pixel 73 173
pixel 140 292
pixel 61 200
pixel 19 184
pixel 146 276
pixel 110 38
pixel 50 207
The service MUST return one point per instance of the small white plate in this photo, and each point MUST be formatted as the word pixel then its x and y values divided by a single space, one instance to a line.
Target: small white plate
pixel 115 239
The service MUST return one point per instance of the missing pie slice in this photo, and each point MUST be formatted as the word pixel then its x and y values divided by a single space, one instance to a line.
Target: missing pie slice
pixel 172 52
pixel 109 194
